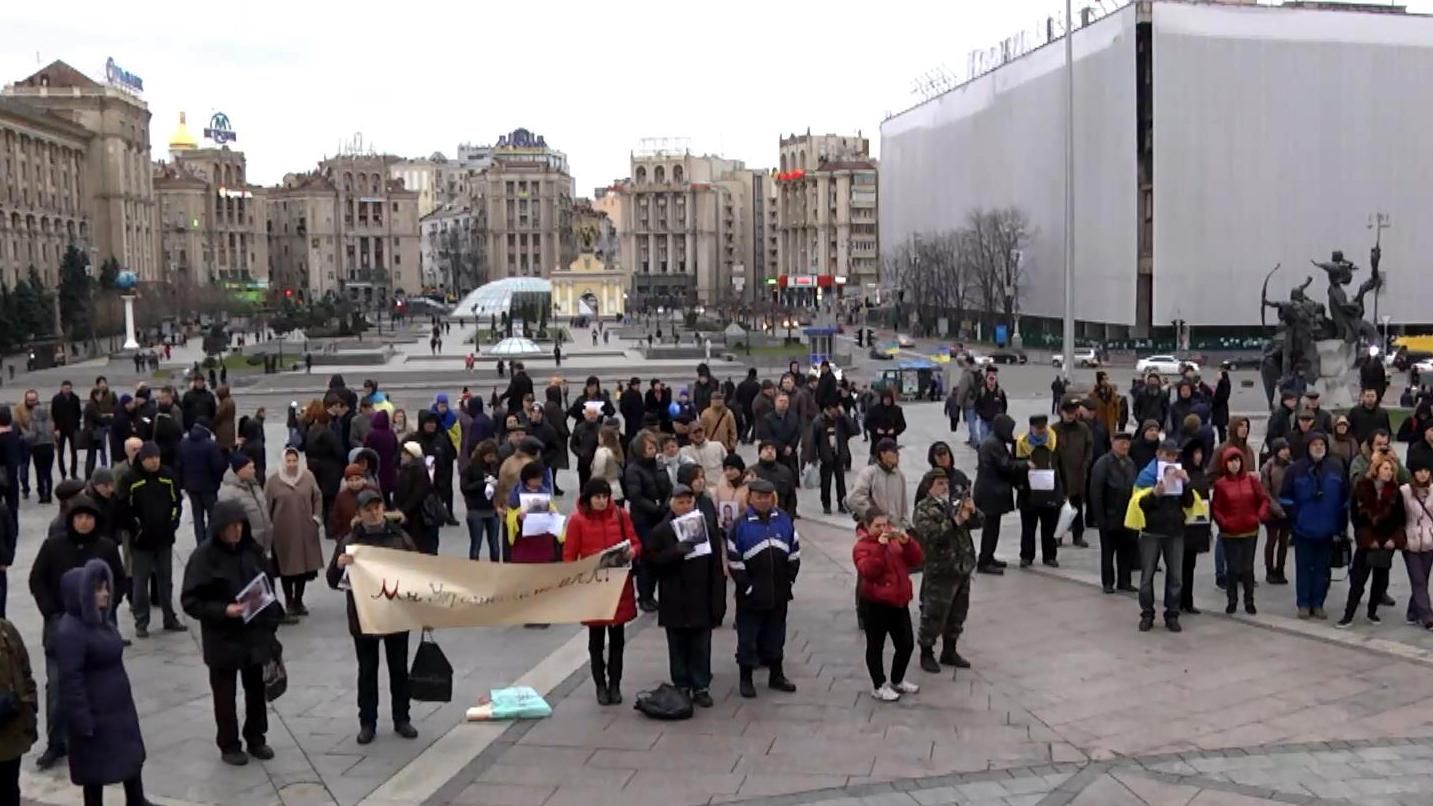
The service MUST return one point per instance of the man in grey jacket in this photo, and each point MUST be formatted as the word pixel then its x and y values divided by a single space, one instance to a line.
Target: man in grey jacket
pixel 965 389
pixel 39 436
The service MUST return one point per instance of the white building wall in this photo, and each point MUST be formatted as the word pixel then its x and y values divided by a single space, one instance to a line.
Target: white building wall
pixel 1277 133
pixel 999 141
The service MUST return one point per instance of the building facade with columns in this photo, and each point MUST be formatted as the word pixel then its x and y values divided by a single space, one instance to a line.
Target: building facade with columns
pixel 376 227
pixel 589 287
pixel 304 237
pixel 42 192
pixel 117 182
pixel 524 199
pixel 826 216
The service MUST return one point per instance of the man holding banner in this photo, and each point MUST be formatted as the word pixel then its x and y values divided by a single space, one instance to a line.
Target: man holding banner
pixel 375 529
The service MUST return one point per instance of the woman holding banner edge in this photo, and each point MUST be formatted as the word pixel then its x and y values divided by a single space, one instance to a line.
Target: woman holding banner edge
pixel 597 526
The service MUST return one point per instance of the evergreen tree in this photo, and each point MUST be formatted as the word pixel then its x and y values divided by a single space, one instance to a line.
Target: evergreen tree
pixel 109 274
pixel 10 335
pixel 30 317
pixel 75 294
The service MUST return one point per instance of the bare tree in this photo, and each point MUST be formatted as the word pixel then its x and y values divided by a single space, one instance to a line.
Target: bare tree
pixel 994 242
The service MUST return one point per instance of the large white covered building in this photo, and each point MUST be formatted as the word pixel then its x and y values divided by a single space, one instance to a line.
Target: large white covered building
pixel 1212 141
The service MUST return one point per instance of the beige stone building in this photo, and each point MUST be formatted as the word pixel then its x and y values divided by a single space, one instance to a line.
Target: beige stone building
pixel 43 200
pixel 429 177
pixel 213 224
pixel 117 182
pixel 376 227
pixel 304 237
pixel 587 286
pixel 524 200
pixel 689 228
pixel 826 215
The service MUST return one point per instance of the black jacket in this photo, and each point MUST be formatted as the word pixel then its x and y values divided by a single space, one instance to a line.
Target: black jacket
pixel 702 394
pixel 1164 514
pixel 691 591
pixel 413 486
pixel 990 403
pixel 65 411
pixel 474 485
pixel 326 458
pixel 151 506
pixel 1363 422
pixel 1151 403
pixel 198 403
pixel 213 578
pixel 438 445
pixel 782 478
pixel 1111 485
pixel 783 429
pixel 201 462
pixel 519 387
pixel 584 441
pixel 885 420
pixel 389 536
pixel 63 552
pixel 997 472
pixel 630 403
pixel 647 488
pixel 830 438
pixel 746 392
pixel 161 425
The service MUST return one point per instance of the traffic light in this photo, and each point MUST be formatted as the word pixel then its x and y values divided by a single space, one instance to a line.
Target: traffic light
pixel 288 293
pixel 861 337
pixel 871 337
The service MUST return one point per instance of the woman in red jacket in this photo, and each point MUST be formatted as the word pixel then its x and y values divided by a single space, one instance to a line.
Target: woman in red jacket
pixel 1240 504
pixel 884 556
pixel 595 527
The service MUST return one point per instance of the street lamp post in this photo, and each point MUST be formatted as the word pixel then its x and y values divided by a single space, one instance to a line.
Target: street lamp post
pixel 1068 329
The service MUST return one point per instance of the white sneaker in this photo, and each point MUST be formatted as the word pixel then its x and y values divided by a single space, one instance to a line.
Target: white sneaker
pixel 907 687
pixel 885 693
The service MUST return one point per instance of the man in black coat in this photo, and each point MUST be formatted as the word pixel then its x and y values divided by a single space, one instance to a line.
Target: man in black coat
pixel 772 469
pixel 198 402
pixel 831 434
pixel 218 571
pixel 746 393
pixel 782 427
pixel 997 473
pixel 693 596
pixel 80 543
pixel 151 506
pixel 630 404
pixel 65 410
pixel 200 468
pixel 1111 485
pixel 1368 416
pixel 648 488
pixel 160 422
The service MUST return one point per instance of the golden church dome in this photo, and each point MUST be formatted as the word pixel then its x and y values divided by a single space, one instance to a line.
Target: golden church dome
pixel 182 140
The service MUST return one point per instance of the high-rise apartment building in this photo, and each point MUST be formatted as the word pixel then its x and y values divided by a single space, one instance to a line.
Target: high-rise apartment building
pixel 43 200
pixel 213 225
pixel 524 202
pixel 428 177
pixel 117 183
pixel 688 228
pixel 304 236
pixel 376 226
pixel 826 216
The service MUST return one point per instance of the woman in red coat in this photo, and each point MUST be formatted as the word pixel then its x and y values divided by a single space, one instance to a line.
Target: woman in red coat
pixel 1240 505
pixel 884 558
pixel 595 527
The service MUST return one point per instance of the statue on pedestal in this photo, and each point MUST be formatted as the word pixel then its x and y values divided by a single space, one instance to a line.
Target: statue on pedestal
pixel 1347 314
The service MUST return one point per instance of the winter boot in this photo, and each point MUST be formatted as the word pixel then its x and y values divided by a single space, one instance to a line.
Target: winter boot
pixel 748 688
pixel 950 657
pixel 777 681
pixel 928 663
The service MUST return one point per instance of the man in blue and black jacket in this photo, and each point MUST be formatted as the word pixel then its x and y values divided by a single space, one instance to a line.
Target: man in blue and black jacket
pixel 764 556
pixel 1315 496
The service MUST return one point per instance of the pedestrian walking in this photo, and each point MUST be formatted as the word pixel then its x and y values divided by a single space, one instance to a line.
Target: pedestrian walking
pixel 764 556
pixel 38 431
pixel 942 525
pixel 1315 496
pixel 596 527
pixel 295 510
pixel 106 745
pixel 374 528
pixel 997 474
pixel 1239 505
pixel 1057 393
pixel 885 420
pixel 831 435
pixel 884 556
pixel 988 401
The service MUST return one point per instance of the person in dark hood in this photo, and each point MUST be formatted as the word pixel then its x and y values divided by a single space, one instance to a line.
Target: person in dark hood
pixel 251 431
pixel 375 529
pixel 704 387
pixel 337 385
pixel 632 407
pixel 1276 540
pixel 106 745
pixel 1182 406
pixel 746 394
pixel 827 393
pixel 476 427
pixel 413 488
pixel 996 475
pixel 201 469
pixel 519 387
pixel 1197 532
pixel 218 570
pixel 555 416
pixel 885 420
pixel 1145 444
pixel 957 482
pixel 437 444
pixel 1281 420
pixel 658 401
pixel 382 441
pixel 79 544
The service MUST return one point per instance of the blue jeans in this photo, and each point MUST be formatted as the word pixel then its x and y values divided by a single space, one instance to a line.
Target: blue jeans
pixel 1311 571
pixel 480 525
pixel 972 424
pixel 25 467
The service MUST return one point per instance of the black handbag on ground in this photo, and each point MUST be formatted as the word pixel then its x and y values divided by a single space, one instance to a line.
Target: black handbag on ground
pixel 1378 559
pixel 665 702
pixel 431 677
pixel 276 676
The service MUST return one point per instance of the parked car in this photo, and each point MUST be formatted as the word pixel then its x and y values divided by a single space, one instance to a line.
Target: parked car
pixel 980 360
pixel 1424 367
pixel 882 353
pixel 905 341
pixel 1009 357
pixel 1163 364
pixel 1085 357
pixel 1242 362
pixel 1406 358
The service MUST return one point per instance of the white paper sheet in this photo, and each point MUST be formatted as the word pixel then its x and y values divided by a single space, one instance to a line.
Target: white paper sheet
pixel 1042 480
pixel 542 523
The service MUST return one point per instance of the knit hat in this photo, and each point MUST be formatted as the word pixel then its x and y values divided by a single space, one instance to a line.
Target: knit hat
pixel 239 460
pixel 413 449
pixel 1316 436
pixel 147 450
pixel 733 461
pixel 354 471
pixel 102 475
pixel 1419 461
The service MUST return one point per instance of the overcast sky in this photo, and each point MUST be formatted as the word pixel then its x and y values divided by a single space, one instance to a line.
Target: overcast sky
pixel 298 78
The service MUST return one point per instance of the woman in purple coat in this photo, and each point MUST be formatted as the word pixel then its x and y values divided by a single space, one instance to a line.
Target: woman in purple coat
pixel 106 746
pixel 382 441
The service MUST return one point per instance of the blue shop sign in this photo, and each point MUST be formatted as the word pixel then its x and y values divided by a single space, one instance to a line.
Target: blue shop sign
pixel 219 129
pixel 121 77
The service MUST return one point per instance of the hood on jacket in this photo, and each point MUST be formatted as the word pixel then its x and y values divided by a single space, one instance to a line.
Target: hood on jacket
pixel 225 513
pixel 1184 390
pixel 1231 452
pixel 1004 427
pixel 936 447
pixel 379 422
pixel 554 395
pixel 475 406
pixel 1186 453
pixel 358 455
pixel 77 591
pixel 199 433
pixel 1236 420
pixel 445 419
pixel 336 382
pixel 252 430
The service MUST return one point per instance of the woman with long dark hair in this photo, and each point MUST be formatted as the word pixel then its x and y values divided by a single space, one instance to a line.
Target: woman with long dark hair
pixel 596 526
